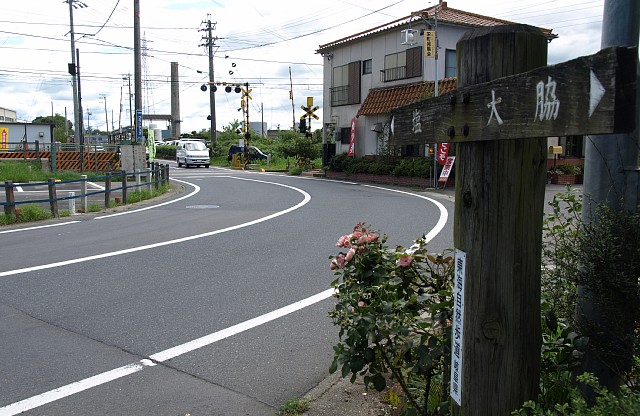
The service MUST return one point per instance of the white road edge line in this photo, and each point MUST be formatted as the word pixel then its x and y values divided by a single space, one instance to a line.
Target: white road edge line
pixel 306 200
pixel 38 227
pixel 108 376
pixel 162 356
pixel 133 211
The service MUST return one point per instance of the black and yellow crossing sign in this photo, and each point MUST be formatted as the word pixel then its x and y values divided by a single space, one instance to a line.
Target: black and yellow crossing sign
pixel 309 112
pixel 246 93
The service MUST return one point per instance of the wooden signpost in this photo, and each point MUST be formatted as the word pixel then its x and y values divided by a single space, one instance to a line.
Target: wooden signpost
pixel 507 103
pixel 588 95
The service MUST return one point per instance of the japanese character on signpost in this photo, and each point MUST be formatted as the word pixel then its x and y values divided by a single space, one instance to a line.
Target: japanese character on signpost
pixel 547 104
pixel 494 110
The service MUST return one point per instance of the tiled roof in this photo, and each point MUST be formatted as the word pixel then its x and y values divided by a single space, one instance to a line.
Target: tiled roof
pixel 444 13
pixel 383 100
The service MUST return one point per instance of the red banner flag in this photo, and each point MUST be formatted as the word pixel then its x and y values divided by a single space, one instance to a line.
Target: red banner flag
pixel 443 152
pixel 352 151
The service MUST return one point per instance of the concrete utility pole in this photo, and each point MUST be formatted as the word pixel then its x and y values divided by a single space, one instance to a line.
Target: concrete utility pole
pixel 175 101
pixel 210 40
pixel 611 178
pixel 72 72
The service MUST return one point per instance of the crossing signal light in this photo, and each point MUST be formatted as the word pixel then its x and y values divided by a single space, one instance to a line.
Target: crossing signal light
pixel 303 125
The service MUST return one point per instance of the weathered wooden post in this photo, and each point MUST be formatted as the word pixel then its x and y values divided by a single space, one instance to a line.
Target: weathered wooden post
pixel 53 197
pixel 498 224
pixel 10 207
pixel 500 179
pixel 124 187
pixel 107 190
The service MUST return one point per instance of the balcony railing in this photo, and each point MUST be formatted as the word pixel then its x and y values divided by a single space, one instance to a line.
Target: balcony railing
pixel 339 95
pixel 392 74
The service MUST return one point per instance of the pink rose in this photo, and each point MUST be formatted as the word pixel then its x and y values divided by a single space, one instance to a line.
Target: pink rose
pixel 372 237
pixel 343 241
pixel 361 304
pixel 340 261
pixel 350 254
pixel 405 261
pixel 356 234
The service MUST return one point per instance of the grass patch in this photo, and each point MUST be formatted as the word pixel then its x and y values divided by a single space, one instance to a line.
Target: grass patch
pixel 294 407
pixel 31 171
pixel 26 213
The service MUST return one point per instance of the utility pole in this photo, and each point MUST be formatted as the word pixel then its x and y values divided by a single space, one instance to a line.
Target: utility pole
pixel 611 178
pixel 106 117
pixel 137 60
pixel 210 40
pixel 72 71
pixel 128 78
pixel 293 109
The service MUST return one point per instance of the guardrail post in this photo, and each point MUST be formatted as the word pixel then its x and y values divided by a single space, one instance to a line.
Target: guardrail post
pixel 156 171
pixel 54 158
pixel 53 198
pixel 107 190
pixel 147 180
pixel 136 176
pixel 166 169
pixel 10 207
pixel 124 187
pixel 38 149
pixel 72 203
pixel 83 191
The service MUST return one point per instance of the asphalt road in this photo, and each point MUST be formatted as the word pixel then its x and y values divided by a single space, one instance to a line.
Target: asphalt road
pixel 212 303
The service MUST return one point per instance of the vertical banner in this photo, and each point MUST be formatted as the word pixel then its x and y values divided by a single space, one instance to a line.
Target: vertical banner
pixel 4 138
pixel 352 140
pixel 138 125
pixel 458 325
pixel 443 152
pixel 446 170
pixel 430 43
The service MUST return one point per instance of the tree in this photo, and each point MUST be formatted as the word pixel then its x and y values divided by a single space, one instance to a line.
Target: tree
pixel 60 133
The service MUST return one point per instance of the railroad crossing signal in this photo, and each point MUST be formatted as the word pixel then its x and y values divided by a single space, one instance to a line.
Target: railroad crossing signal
pixel 246 93
pixel 309 112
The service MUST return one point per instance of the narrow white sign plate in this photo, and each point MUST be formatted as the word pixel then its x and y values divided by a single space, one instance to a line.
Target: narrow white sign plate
pixel 458 325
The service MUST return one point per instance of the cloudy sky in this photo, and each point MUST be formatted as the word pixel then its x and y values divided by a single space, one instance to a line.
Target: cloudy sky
pixel 259 42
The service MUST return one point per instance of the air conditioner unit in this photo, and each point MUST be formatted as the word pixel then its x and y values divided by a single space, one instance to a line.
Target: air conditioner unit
pixel 409 37
pixel 377 127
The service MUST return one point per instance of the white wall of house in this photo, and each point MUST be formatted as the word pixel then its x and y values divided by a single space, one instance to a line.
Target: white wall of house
pixel 376 48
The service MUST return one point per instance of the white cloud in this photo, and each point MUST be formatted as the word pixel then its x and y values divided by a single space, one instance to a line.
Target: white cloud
pixel 262 39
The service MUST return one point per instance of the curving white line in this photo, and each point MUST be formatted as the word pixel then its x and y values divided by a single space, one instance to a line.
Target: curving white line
pixel 38 227
pixel 195 191
pixel 305 200
pixel 108 376
pixel 444 214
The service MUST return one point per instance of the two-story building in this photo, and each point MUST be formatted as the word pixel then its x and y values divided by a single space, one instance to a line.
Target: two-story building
pixel 368 74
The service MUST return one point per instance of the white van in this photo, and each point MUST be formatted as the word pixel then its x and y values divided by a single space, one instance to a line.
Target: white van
pixel 192 153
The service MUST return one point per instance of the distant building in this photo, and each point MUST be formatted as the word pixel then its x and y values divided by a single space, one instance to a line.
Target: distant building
pixel 8 115
pixel 368 74
pixel 258 127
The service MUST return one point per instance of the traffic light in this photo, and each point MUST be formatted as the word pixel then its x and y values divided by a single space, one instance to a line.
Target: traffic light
pixel 303 125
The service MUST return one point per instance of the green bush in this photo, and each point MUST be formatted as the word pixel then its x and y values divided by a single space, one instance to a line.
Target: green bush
pixel 394 309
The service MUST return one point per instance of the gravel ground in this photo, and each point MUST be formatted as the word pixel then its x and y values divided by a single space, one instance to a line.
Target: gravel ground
pixel 336 396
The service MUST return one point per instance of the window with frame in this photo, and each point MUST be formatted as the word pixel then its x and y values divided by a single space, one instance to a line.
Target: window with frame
pixel 345 85
pixel 450 63
pixel 402 65
pixel 573 146
pixel 367 66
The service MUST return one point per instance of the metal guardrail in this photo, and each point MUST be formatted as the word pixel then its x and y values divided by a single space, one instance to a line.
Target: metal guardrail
pixel 153 177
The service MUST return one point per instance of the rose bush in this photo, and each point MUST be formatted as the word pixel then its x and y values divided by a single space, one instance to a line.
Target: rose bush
pixel 394 309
